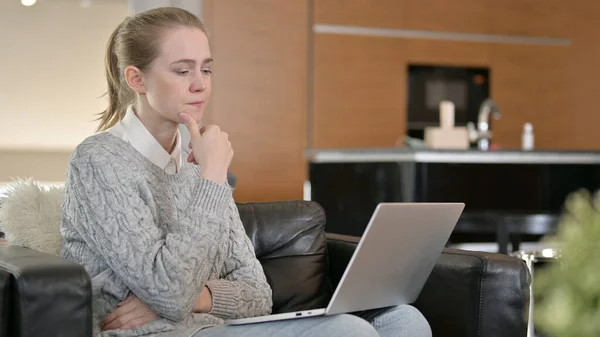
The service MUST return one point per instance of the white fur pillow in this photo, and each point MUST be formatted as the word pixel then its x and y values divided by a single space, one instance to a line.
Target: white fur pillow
pixel 30 216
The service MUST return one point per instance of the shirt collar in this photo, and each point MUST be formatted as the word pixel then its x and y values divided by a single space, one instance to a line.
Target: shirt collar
pixel 142 140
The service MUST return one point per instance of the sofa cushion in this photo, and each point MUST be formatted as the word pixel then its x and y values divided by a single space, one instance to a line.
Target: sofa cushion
pixel 290 244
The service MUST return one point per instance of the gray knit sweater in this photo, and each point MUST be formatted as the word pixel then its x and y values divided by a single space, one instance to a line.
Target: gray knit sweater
pixel 162 237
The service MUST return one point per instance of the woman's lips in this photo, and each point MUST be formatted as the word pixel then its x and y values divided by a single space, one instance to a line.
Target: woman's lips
pixel 198 104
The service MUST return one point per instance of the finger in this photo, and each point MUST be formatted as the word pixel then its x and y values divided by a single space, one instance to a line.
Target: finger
pixel 191 157
pixel 210 128
pixel 147 318
pixel 125 301
pixel 120 311
pixel 122 320
pixel 190 124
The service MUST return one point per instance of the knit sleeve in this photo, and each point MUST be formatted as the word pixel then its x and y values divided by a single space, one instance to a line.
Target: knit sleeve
pixel 243 290
pixel 164 270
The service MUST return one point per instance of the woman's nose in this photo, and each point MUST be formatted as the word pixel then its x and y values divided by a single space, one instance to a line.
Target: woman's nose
pixel 199 84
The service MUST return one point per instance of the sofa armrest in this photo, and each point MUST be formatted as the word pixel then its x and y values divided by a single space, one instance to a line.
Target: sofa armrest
pixel 4 292
pixel 476 294
pixel 48 296
pixel 470 294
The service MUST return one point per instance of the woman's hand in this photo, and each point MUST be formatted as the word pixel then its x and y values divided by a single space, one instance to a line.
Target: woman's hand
pixel 211 149
pixel 204 301
pixel 130 313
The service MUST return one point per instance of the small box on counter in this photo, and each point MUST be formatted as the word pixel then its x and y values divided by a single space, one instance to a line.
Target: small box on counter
pixel 447 136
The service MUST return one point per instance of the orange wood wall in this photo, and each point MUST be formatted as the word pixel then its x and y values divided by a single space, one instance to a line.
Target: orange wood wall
pixel 259 92
pixel 280 88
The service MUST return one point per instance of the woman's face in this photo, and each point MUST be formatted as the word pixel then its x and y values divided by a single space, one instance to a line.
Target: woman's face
pixel 179 78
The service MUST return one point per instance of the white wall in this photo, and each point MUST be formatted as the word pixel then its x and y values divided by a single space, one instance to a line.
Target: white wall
pixel 193 6
pixel 52 70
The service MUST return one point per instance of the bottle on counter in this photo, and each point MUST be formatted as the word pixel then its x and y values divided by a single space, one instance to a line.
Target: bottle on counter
pixel 527 139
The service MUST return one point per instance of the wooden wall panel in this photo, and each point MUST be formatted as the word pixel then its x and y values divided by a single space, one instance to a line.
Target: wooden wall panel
pixel 359 89
pixel 584 76
pixel 470 16
pixel 381 13
pixel 463 16
pixel 531 84
pixel 259 92
pixel 508 17
pixel 446 52
pixel 548 18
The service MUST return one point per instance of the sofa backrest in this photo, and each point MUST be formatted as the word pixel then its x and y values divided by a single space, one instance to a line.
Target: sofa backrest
pixel 290 244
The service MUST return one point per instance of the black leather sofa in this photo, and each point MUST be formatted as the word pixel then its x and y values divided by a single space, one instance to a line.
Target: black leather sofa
pixel 468 294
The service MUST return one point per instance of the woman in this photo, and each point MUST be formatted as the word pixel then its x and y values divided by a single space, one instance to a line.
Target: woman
pixel 161 238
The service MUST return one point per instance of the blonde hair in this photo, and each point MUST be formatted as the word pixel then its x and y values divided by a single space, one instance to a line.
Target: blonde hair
pixel 136 42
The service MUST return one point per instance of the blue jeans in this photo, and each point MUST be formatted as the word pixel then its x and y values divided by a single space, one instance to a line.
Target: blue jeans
pixel 400 321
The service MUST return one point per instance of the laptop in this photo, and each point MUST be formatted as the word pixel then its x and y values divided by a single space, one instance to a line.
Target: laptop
pixel 391 263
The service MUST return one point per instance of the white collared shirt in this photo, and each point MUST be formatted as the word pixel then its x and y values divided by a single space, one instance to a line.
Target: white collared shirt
pixel 133 131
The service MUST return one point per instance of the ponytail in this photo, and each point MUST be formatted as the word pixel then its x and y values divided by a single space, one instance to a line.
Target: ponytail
pixel 117 92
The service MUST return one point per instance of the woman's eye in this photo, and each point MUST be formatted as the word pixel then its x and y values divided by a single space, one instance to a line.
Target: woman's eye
pixel 183 72
pixel 206 71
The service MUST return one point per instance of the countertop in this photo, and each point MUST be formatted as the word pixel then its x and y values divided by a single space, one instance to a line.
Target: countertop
pixel 423 155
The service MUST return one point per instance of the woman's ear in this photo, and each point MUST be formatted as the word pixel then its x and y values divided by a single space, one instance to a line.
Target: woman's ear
pixel 133 77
